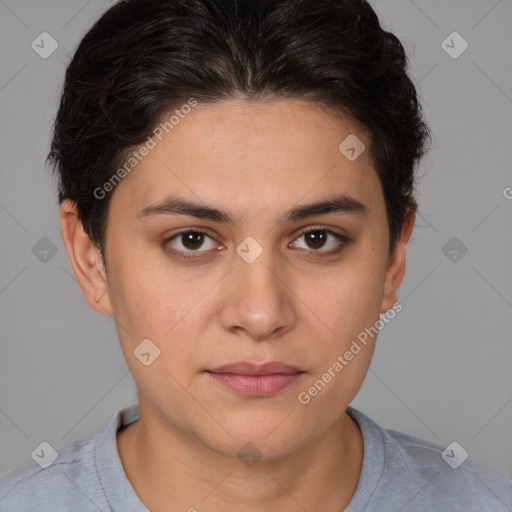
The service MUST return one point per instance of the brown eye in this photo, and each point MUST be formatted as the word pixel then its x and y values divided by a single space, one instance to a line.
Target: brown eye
pixel 191 241
pixel 315 239
pixel 321 240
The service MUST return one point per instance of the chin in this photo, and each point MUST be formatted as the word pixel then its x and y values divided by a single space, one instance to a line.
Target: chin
pixel 256 437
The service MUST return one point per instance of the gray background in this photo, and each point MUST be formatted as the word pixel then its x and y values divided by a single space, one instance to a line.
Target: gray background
pixel 442 368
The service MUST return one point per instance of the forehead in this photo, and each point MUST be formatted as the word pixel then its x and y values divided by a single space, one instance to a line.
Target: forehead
pixel 241 152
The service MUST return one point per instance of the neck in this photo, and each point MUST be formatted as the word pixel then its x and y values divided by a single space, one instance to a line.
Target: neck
pixel 175 472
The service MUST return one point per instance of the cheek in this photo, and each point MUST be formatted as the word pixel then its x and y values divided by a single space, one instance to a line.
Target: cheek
pixel 151 300
pixel 352 296
pixel 350 307
pixel 140 285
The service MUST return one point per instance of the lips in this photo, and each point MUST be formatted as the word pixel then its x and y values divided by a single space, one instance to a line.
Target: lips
pixel 246 368
pixel 255 380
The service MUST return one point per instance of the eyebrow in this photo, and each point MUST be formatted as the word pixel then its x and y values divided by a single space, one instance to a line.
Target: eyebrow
pixel 179 206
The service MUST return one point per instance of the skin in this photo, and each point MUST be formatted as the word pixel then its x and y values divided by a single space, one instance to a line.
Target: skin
pixel 293 304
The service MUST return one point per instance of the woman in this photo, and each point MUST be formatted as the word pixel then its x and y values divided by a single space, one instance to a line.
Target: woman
pixel 236 185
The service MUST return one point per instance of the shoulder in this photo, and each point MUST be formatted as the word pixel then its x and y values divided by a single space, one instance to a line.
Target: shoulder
pixel 419 475
pixel 450 471
pixel 69 483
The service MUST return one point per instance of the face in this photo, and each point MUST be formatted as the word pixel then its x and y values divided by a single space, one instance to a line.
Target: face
pixel 249 271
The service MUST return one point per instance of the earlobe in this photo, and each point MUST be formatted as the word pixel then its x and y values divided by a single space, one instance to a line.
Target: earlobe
pixel 396 265
pixel 85 258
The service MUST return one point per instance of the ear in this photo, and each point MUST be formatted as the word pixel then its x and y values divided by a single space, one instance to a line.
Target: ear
pixel 85 258
pixel 396 264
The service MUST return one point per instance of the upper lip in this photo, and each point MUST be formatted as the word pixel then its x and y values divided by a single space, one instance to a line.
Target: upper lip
pixel 247 368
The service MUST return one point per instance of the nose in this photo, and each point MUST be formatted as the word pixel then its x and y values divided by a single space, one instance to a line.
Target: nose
pixel 259 302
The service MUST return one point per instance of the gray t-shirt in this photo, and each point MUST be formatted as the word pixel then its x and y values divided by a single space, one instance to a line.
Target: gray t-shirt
pixel 399 473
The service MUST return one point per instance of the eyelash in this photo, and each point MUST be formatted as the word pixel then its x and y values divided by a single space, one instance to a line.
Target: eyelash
pixel 189 255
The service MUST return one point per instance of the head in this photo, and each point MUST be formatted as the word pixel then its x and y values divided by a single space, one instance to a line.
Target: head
pixel 235 120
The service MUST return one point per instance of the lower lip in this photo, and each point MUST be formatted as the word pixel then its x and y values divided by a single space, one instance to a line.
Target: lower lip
pixel 256 385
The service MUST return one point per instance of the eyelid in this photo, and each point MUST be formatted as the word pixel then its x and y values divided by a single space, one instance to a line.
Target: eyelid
pixel 201 231
pixel 343 239
pixel 188 255
pixel 320 227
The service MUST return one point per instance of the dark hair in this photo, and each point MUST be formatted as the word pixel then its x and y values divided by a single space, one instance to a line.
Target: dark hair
pixel 143 58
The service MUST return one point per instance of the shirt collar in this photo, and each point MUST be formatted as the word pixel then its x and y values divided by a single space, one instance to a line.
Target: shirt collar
pixel 117 488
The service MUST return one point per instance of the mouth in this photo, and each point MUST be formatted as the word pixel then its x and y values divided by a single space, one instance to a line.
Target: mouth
pixel 250 379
